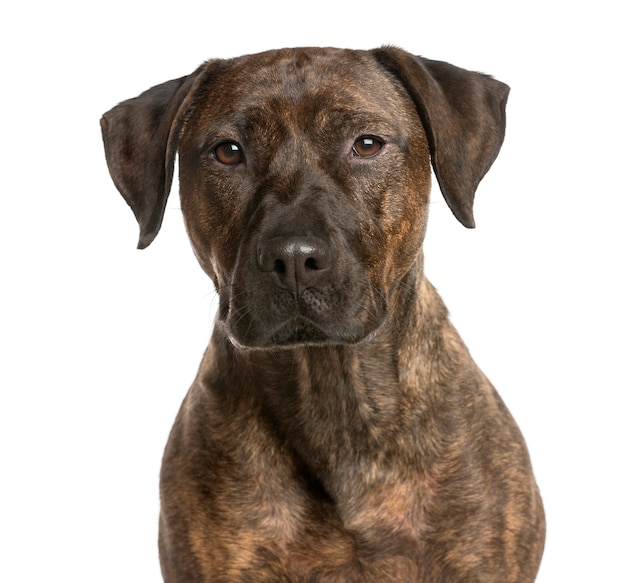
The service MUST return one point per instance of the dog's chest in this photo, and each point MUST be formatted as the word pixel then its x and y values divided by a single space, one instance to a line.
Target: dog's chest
pixel 295 535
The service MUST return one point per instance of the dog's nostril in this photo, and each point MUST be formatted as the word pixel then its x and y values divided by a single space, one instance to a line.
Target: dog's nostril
pixel 279 266
pixel 311 263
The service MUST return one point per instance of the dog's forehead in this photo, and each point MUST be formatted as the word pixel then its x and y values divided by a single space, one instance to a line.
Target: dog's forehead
pixel 296 70
pixel 317 77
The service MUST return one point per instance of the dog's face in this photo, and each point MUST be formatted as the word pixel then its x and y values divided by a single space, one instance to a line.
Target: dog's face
pixel 299 172
pixel 304 178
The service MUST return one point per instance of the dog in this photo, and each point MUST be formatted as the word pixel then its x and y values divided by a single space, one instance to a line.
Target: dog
pixel 338 429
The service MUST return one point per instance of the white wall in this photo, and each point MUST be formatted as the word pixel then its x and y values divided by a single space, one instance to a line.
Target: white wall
pixel 99 341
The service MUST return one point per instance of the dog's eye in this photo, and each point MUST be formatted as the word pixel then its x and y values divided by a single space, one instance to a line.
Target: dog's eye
pixel 229 153
pixel 367 146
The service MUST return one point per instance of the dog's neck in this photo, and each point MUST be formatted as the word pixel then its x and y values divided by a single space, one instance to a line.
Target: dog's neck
pixel 340 408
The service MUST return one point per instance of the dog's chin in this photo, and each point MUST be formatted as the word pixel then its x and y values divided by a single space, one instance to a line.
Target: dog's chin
pixel 301 331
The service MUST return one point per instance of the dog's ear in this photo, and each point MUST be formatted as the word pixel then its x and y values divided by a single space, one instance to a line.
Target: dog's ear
pixel 140 143
pixel 464 117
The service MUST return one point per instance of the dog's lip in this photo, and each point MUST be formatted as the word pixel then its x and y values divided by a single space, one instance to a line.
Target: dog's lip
pixel 301 331
pixel 297 330
pixel 292 332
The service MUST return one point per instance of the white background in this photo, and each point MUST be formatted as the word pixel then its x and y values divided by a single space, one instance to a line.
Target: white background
pixel 99 341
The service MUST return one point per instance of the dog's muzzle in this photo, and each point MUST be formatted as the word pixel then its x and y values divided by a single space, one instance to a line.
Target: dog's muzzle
pixel 300 290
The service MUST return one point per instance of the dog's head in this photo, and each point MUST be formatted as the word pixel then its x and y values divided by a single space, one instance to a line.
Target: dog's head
pixel 304 178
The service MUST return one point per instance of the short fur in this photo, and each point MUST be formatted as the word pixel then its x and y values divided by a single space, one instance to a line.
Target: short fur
pixel 338 429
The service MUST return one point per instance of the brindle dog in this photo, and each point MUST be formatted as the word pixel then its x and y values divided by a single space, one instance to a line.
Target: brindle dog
pixel 338 429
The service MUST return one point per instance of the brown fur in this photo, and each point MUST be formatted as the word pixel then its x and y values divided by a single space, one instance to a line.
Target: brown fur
pixel 338 429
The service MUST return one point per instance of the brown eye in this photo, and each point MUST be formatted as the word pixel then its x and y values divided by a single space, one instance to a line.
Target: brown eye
pixel 229 153
pixel 367 146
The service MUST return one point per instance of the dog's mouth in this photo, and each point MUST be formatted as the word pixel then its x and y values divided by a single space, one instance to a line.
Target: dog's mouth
pixel 298 331
pixel 247 330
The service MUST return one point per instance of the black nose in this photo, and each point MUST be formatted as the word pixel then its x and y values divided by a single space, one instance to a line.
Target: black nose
pixel 296 261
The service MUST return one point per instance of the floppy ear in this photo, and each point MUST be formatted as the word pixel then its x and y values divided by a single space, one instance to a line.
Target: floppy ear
pixel 140 137
pixel 464 117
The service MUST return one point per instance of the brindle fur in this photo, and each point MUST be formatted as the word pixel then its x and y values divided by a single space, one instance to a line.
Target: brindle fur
pixel 338 429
